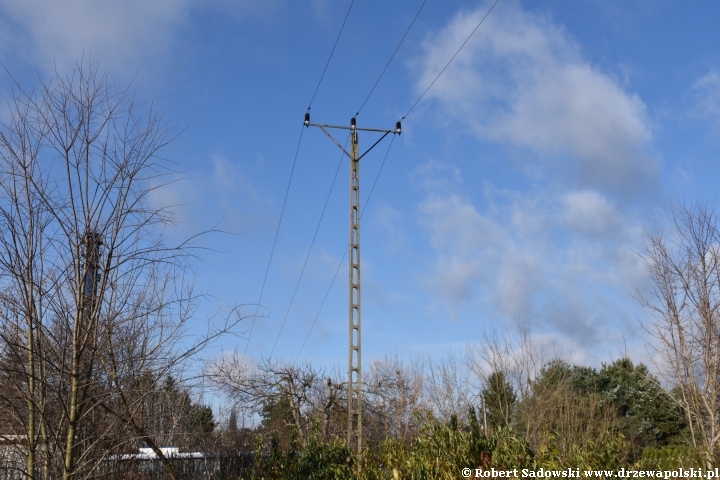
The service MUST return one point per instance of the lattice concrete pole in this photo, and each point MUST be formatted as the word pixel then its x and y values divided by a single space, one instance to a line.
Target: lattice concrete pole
pixel 355 318
pixel 354 331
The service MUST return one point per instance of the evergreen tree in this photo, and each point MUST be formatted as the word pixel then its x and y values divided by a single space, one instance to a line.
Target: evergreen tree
pixel 499 399
pixel 649 417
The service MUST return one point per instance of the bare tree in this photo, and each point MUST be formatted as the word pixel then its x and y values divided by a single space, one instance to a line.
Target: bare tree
pixel 447 387
pixel 25 225
pixel 565 403
pixel 394 395
pixel 535 396
pixel 92 295
pixel 254 389
pixel 513 354
pixel 397 394
pixel 684 269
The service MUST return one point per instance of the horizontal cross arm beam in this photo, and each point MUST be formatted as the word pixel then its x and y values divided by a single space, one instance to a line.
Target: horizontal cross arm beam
pixel 343 127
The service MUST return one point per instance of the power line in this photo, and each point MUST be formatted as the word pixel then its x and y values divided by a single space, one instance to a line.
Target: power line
pixel 391 143
pixel 342 27
pixel 482 20
pixel 277 232
pixel 332 282
pixel 307 257
pixel 452 58
pixel 287 191
pixel 376 177
pixel 338 167
pixel 391 57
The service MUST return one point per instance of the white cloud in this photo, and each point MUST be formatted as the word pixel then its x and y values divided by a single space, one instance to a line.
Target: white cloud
pixel 229 176
pixel 389 221
pixel 589 212
pixel 456 229
pixel 565 259
pixel 121 33
pixel 436 175
pixel 225 194
pixel 124 35
pixel 521 80
pixel 456 225
pixel 708 88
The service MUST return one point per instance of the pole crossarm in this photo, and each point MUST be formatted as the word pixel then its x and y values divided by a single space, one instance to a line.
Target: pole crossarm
pixel 354 398
pixel 324 127
pixel 343 127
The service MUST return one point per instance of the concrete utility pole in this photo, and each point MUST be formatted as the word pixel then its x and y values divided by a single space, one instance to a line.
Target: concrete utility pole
pixel 354 317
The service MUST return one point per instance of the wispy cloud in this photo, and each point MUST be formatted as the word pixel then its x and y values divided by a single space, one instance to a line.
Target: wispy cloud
pixel 707 89
pixel 563 252
pixel 126 35
pixel 123 34
pixel 523 81
pixel 389 222
pixel 573 271
pixel 588 212
pixel 222 197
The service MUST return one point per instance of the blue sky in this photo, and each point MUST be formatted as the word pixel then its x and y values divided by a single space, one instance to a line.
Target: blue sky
pixel 519 190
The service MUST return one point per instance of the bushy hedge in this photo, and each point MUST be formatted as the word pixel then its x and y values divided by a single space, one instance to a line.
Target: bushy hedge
pixel 670 457
pixel 443 449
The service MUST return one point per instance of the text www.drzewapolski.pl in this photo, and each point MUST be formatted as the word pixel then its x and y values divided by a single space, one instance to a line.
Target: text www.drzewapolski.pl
pixel 579 473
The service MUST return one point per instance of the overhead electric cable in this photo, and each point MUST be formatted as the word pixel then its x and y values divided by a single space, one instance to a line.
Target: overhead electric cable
pixel 336 171
pixel 312 243
pixel 342 260
pixel 342 27
pixel 277 232
pixel 452 58
pixel 297 151
pixel 327 293
pixel 391 58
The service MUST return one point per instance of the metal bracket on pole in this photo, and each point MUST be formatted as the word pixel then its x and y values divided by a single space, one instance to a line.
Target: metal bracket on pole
pixel 354 321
